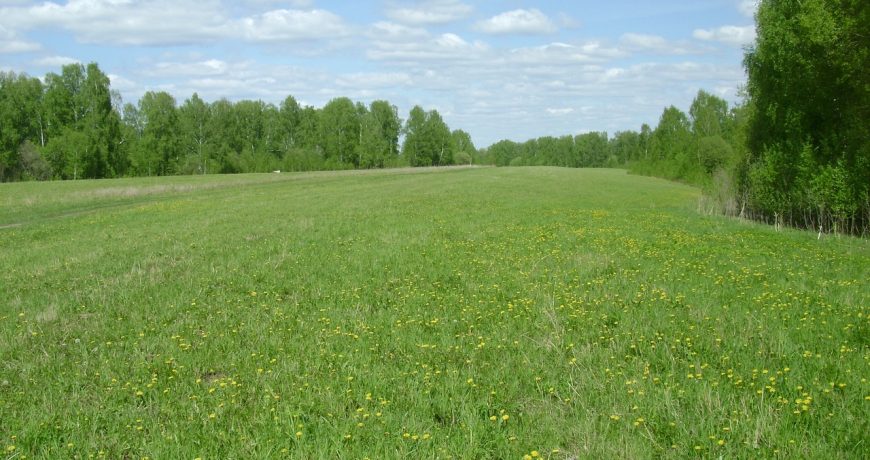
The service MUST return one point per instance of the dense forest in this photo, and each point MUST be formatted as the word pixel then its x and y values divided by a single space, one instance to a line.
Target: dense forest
pixel 73 126
pixel 795 151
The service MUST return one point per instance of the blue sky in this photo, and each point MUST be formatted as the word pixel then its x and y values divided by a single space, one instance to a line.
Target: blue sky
pixel 497 69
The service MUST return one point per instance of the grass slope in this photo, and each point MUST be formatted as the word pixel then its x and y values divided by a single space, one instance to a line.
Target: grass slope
pixel 473 313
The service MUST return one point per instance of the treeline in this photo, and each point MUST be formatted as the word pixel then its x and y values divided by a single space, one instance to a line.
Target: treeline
pixel 795 152
pixel 808 137
pixel 583 151
pixel 73 126
pixel 682 147
pixel 691 147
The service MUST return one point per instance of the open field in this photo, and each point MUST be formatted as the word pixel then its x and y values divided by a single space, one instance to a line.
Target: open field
pixel 470 313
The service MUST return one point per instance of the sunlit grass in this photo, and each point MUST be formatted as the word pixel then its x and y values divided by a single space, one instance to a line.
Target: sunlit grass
pixel 474 313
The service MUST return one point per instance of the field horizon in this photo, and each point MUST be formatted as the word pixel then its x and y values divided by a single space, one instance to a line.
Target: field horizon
pixel 462 312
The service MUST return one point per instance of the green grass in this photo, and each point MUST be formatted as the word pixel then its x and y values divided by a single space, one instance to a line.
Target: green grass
pixel 466 313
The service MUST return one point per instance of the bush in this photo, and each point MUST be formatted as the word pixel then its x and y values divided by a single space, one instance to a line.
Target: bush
pixel 462 158
pixel 33 165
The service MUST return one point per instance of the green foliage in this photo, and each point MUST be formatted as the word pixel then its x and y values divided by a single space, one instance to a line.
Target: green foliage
pixel 66 152
pixel 379 134
pixel 33 165
pixel 161 137
pixel 428 140
pixel 373 149
pixel 709 115
pixel 387 119
pixel 592 149
pixel 713 153
pixel 808 83
pixel 20 119
pixel 194 118
pixel 582 151
pixel 463 147
pixel 75 106
pixel 462 158
pixel 77 127
pixel 340 130
pixel 833 194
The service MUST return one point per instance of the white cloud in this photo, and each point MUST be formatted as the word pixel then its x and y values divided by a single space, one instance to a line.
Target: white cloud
pixel 654 43
pixel 294 25
pixel 121 84
pixel 385 30
pixel 732 35
pixel 643 41
pixel 429 12
pixel 443 47
pixel 156 22
pixel 213 79
pixel 55 61
pixel 206 68
pixel 613 73
pixel 124 22
pixel 563 53
pixel 171 22
pixel 18 46
pixel 10 43
pixel 748 7
pixel 291 3
pixel 519 21
pixel 367 80
pixel 563 111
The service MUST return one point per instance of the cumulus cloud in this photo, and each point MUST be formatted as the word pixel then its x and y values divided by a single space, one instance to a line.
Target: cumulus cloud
pixel 368 80
pixel 644 41
pixel 10 43
pixel 732 35
pixel 390 31
pixel 446 46
pixel 155 22
pixel 429 12
pixel 55 61
pixel 519 21
pixel 206 68
pixel 120 83
pixel 213 78
pixel 286 3
pixel 563 53
pixel 18 46
pixel 562 111
pixel 294 25
pixel 171 22
pixel 654 44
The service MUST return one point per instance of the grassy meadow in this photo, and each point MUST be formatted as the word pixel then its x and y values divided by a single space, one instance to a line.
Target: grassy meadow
pixel 501 313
